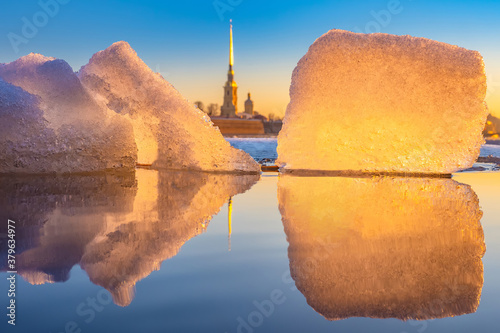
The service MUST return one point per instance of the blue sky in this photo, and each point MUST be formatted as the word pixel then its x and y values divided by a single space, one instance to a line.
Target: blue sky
pixel 187 41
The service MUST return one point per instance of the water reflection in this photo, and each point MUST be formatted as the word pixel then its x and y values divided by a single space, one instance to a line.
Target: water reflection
pixel 382 247
pixel 118 228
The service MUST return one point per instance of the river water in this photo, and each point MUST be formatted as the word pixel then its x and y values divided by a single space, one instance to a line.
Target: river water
pixel 165 251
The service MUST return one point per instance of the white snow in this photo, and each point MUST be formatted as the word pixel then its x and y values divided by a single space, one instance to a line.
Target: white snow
pixel 387 103
pixel 263 150
pixel 170 132
pixel 490 150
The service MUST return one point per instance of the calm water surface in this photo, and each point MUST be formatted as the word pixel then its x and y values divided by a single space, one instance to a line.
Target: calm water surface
pixel 197 252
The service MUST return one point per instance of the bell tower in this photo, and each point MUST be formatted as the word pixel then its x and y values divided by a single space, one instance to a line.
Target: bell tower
pixel 229 107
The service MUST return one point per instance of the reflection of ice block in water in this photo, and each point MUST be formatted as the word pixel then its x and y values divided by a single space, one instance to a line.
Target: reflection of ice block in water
pixel 386 103
pixel 117 228
pixel 170 132
pixel 52 124
pixel 57 216
pixel 407 248
pixel 170 209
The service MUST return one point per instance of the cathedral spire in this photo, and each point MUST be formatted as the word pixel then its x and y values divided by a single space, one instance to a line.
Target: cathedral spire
pixel 229 107
pixel 231 55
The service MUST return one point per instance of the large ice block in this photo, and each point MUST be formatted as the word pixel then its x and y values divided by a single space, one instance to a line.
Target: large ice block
pixel 170 132
pixel 50 123
pixel 384 103
pixel 383 247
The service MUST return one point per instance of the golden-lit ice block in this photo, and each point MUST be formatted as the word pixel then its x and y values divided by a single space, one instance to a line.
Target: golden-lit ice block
pixel 407 248
pixel 170 132
pixel 384 103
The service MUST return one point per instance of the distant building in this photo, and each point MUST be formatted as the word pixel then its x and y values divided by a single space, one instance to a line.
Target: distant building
pixel 229 108
pixel 249 105
pixel 230 122
pixel 249 112
pixel 260 117
pixel 492 128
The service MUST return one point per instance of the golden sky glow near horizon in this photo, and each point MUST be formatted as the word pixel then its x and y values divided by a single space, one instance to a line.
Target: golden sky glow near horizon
pixel 269 84
pixel 187 41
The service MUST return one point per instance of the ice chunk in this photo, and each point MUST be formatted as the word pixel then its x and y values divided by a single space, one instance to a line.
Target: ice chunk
pixel 379 102
pixel 406 248
pixel 170 132
pixel 25 140
pixel 118 228
pixel 51 124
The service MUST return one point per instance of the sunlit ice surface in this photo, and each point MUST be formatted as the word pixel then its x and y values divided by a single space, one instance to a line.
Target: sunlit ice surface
pixel 384 103
pixel 169 131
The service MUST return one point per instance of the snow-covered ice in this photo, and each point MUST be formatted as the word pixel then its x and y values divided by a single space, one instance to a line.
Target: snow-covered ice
pixel 51 124
pixel 263 150
pixel 384 103
pixel 170 132
pixel 490 150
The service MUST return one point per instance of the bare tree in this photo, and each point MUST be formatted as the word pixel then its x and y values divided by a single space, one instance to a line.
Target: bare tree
pixel 213 109
pixel 200 105
pixel 271 116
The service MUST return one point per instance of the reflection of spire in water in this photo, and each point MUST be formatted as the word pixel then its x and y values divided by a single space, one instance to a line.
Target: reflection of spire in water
pixel 229 221
pixel 407 248
pixel 118 229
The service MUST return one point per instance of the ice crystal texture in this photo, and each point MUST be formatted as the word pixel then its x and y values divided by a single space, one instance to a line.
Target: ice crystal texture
pixel 170 132
pixel 50 123
pixel 379 102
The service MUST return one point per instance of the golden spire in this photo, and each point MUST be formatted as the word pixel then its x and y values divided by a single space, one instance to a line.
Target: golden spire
pixel 229 222
pixel 231 56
